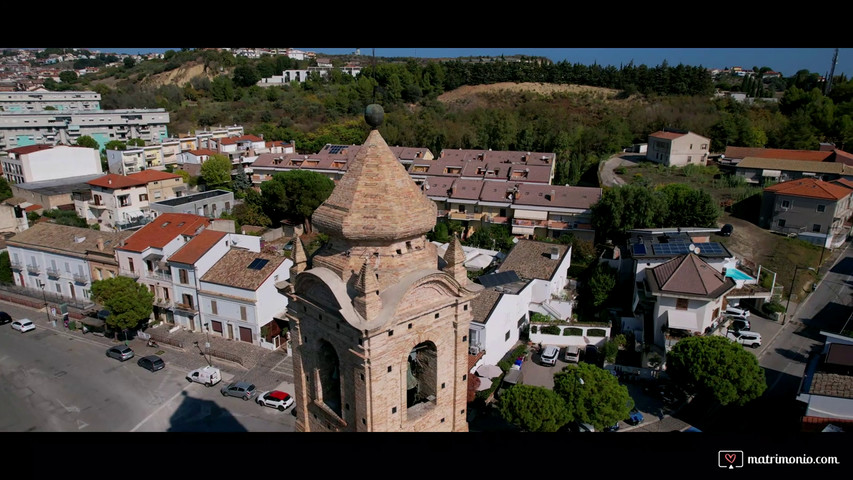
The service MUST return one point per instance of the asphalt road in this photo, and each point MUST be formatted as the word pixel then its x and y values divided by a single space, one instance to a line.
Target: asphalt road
pixel 52 381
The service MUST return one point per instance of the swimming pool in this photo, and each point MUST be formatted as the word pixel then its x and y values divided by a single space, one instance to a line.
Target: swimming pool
pixel 736 274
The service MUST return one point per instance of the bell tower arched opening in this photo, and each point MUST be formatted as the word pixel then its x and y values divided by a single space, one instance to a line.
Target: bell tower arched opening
pixel 422 375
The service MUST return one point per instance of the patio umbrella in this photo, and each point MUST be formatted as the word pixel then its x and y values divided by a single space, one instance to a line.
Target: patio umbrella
pixel 485 384
pixel 489 371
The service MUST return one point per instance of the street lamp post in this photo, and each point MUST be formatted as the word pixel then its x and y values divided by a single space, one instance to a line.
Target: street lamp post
pixel 791 290
pixel 44 297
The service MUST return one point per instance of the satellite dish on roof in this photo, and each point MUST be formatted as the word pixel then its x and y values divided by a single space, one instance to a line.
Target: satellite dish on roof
pixel 692 247
pixel 696 250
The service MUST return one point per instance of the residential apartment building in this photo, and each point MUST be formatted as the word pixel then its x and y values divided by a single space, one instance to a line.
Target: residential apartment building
pixel 238 295
pixel 121 202
pixel 144 256
pixel 63 260
pixel 532 278
pixel 149 157
pixel 677 148
pixel 757 170
pixel 20 129
pixel 49 194
pixel 187 265
pixel 46 100
pixel 814 210
pixel 36 163
pixel 210 203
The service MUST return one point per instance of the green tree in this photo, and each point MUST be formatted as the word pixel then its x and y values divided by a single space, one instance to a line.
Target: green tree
pixel 593 395
pixel 295 195
pixel 601 283
pixel 717 367
pixel 115 145
pixel 87 141
pixel 5 189
pixel 216 171
pixel 129 62
pixel 246 76
pixel 68 76
pixel 129 302
pixel 5 268
pixel 534 409
pixel 222 89
pixel 136 142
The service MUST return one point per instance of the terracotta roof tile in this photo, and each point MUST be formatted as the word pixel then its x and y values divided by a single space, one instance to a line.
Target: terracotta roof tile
pixel 67 238
pixel 666 135
pixel 244 138
pixel 531 259
pixel 114 181
pixel 29 149
pixel 811 188
pixel 233 269
pixel 163 230
pixel 197 246
pixel 690 275
pixel 780 153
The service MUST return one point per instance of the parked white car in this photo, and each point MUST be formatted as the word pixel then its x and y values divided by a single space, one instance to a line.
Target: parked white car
pixel 745 338
pixel 549 355
pixel 23 325
pixel 735 311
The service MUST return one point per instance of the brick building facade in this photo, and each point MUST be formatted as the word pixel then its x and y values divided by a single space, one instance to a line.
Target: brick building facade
pixel 379 322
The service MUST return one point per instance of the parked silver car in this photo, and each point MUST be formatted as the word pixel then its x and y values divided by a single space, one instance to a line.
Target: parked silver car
pixel 120 352
pixel 244 390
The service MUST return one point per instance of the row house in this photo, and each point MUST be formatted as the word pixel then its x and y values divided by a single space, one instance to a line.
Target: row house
pixel 759 170
pixel 63 260
pixel 37 163
pixel 238 297
pixel 530 210
pixel 814 210
pixel 674 148
pixel 121 202
pixel 137 159
pixel 144 255
pixel 532 278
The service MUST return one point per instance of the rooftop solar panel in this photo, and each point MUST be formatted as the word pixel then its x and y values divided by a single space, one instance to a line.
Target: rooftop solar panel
pixel 496 279
pixel 639 249
pixel 258 263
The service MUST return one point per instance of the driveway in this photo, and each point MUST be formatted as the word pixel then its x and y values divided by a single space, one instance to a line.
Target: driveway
pixel 606 176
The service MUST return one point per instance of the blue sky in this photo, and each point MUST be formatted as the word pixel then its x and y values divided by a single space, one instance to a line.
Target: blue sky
pixel 787 61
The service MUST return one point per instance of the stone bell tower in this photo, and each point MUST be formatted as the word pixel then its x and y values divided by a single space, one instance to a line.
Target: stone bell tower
pixel 379 332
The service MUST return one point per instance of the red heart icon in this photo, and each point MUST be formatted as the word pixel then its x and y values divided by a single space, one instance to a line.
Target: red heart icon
pixel 731 457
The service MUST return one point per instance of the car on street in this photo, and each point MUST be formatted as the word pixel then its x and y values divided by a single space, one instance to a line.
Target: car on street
pixel 590 354
pixel 735 311
pixel 549 355
pixel 120 352
pixel 244 390
pixel 740 324
pixel 745 338
pixel 152 363
pixel 5 318
pixel 23 325
pixel 275 399
pixel 635 418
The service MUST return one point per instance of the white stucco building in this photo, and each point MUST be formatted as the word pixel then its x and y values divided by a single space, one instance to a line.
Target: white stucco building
pixel 36 163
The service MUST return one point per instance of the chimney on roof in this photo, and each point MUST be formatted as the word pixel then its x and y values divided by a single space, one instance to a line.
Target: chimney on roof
pixel 109 181
pixel 555 253
pixel 553 192
pixel 100 244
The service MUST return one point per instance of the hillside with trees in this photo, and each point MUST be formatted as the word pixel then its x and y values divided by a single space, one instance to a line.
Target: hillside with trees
pixel 204 88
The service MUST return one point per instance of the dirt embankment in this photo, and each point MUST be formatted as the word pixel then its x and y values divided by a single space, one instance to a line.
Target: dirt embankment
pixel 178 76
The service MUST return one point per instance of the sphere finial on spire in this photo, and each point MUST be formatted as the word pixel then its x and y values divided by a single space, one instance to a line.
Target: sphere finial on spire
pixel 374 115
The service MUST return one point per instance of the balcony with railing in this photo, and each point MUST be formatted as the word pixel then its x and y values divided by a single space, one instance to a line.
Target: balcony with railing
pixel 159 274
pixel 129 273
pixel 134 223
pixel 163 302
pixel 52 272
pixel 16 265
pixel 81 278
pixel 497 220
pixel 185 307
pixel 524 222
pixel 34 269
pixel 465 216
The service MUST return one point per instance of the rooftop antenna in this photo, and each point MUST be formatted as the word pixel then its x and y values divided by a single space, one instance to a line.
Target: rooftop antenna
pixel 831 73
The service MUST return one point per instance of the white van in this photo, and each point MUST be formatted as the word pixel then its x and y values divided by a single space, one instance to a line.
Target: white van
pixel 745 338
pixel 207 375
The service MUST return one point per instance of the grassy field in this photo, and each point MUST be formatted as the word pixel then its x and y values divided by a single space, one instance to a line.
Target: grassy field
pixel 740 203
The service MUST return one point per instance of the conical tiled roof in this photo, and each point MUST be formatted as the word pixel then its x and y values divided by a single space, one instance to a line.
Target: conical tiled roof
pixel 376 199
pixel 689 274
